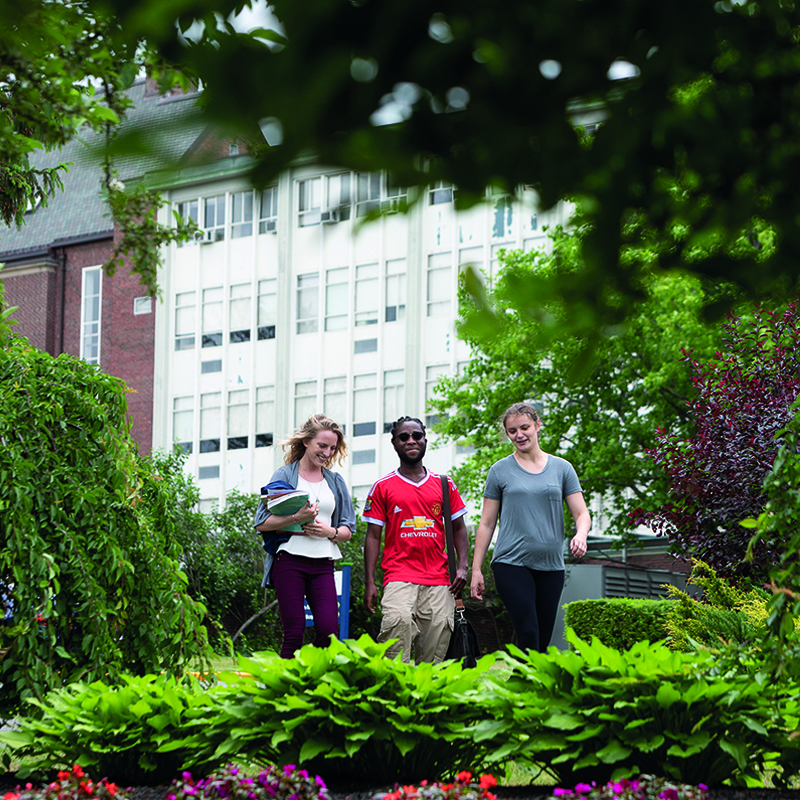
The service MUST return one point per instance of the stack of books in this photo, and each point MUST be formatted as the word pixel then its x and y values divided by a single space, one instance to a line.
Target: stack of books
pixel 284 503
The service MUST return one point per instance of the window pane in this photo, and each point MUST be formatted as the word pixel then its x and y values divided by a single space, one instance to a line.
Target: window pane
pixel 307 303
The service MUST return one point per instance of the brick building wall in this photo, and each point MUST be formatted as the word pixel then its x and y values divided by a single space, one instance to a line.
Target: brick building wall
pixel 32 288
pixel 127 340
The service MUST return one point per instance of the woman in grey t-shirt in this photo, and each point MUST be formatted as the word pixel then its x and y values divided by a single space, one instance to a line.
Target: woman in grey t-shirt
pixel 527 490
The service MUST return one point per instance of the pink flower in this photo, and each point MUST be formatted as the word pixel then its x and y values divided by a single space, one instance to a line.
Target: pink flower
pixel 702 787
pixel 562 792
pixel 583 788
pixel 669 794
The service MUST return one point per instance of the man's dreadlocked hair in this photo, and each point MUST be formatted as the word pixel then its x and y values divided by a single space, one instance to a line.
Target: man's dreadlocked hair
pixel 397 423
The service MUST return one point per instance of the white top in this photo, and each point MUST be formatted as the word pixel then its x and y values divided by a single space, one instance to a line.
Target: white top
pixel 310 546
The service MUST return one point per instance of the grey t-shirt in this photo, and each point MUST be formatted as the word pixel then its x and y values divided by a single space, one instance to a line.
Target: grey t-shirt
pixel 531 511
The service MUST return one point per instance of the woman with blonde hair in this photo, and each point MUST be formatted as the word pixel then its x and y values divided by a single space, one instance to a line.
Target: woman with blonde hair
pixel 303 565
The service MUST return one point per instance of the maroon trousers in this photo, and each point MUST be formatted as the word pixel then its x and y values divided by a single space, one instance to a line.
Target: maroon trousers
pixel 299 577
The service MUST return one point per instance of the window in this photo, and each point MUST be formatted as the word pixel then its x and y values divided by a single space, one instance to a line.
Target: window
pixel 208 473
pixel 365 401
pixel 239 313
pixel 91 296
pixel 238 418
pixel 367 297
pixel 267 308
pixel 142 305
pixel 395 290
pixel 432 375
pixel 208 504
pixel 363 457
pixel 339 196
pixel 212 317
pixel 368 197
pixel 310 202
pixel 440 290
pixel 334 401
pixel 268 217
pixel 189 210
pixel 211 366
pixel 241 214
pixel 183 423
pixel 210 421
pixel 365 346
pixel 440 192
pixel 471 256
pixel 308 303
pixel 305 401
pixel 393 397
pixel 336 295
pixel 184 320
pixel 265 415
pixel 214 218
pixel 396 196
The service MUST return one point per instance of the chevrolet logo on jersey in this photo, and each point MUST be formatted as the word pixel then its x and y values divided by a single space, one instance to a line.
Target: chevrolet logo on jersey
pixel 417 526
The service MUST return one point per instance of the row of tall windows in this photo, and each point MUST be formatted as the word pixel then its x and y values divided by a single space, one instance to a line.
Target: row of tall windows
pixel 334 198
pixel 365 391
pixel 240 328
pixel 237 420
pixel 376 401
pixel 321 200
pixel 234 214
pixel 369 304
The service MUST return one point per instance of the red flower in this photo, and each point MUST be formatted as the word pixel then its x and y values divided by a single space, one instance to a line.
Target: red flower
pixel 10 796
pixel 112 788
pixel 464 777
pixel 77 771
pixel 63 775
pixel 487 781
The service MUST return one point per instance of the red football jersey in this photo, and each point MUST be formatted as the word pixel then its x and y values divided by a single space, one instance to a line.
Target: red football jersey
pixel 414 548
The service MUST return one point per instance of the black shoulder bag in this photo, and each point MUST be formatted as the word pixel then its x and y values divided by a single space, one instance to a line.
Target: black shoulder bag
pixel 463 641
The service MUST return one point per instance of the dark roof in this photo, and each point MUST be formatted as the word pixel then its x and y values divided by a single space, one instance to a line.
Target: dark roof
pixel 157 131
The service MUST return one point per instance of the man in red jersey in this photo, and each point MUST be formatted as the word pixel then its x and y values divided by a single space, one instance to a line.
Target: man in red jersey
pixel 417 604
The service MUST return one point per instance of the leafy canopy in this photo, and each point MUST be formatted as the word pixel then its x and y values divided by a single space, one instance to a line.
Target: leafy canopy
pixel 700 139
pixel 605 420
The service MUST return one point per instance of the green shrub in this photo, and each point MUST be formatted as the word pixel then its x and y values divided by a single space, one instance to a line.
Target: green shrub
pixel 114 730
pixel 596 713
pixel 343 711
pixel 618 622
pixel 725 613
pixel 89 572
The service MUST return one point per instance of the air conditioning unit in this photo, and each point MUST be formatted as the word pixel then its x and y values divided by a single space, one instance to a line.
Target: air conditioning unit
pixel 329 216
pixel 208 237
pixel 198 236
pixel 390 206
pixel 269 226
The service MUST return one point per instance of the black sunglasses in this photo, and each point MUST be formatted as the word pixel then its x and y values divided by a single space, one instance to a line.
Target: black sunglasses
pixel 417 436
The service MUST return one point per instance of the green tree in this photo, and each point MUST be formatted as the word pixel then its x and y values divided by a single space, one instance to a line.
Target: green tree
pixel 89 571
pixel 699 139
pixel 603 420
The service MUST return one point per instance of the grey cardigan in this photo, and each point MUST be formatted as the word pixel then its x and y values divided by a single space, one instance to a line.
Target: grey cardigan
pixel 343 513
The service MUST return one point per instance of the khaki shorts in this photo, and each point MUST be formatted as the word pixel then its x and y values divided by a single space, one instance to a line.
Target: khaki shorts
pixel 420 617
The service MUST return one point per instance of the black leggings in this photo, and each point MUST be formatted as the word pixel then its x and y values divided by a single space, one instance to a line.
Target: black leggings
pixel 531 597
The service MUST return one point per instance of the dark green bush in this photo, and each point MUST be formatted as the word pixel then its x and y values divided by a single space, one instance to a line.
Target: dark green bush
pixel 596 713
pixel 344 712
pixel 618 622
pixel 114 731
pixel 89 574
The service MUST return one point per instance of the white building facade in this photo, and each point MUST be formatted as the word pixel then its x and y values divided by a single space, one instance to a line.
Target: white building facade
pixel 292 303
